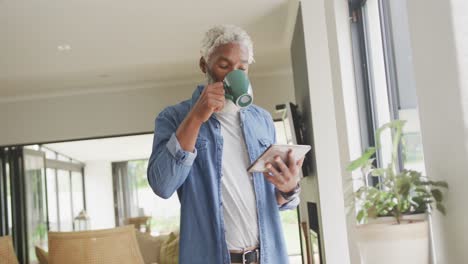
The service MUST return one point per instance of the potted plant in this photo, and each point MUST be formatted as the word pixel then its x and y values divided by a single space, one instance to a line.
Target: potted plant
pixel 392 215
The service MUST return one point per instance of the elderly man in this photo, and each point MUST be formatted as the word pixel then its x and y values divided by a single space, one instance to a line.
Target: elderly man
pixel 202 148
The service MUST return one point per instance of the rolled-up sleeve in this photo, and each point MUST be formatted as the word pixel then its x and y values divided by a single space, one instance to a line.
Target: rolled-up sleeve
pixel 169 165
pixel 290 204
pixel 183 157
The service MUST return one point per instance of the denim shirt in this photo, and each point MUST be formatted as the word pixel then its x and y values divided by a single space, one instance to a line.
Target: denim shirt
pixel 196 176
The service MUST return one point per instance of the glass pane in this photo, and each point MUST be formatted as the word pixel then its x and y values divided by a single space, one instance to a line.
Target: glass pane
pixel 165 213
pixel 62 158
pixel 413 156
pixel 7 168
pixel 291 234
pixel 126 195
pixel 49 153
pixel 65 205
pixel 35 202
pixel 52 200
pixel 281 132
pixel 77 193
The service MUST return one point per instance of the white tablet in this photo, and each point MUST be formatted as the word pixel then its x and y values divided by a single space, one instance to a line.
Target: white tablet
pixel 274 150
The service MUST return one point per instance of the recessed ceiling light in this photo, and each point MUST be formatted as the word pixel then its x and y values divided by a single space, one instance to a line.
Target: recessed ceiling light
pixel 64 47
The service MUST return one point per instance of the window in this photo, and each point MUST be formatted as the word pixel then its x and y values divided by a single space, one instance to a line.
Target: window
pixel 35 190
pixel 165 213
pixel 52 199
pixel 5 196
pixel 9 221
pixel 65 190
pixel 385 81
pixel 400 79
pixel 135 198
pixel 36 195
pixel 289 218
pixel 77 191
pixel 64 201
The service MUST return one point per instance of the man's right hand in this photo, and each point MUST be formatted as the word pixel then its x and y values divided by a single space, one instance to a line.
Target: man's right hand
pixel 211 100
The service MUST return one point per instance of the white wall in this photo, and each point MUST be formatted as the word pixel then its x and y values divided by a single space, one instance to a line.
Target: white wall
pixel 115 112
pixel 346 109
pixel 330 74
pixel 439 44
pixel 99 194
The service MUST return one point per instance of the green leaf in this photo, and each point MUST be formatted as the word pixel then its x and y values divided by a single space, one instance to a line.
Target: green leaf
pixel 443 184
pixel 360 216
pixel 378 172
pixel 437 195
pixel 441 208
pixel 396 124
pixel 420 188
pixel 403 186
pixel 362 160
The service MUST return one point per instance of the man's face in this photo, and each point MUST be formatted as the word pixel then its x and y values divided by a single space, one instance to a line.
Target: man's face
pixel 224 59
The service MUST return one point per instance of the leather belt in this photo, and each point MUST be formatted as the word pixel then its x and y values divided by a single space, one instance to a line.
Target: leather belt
pixel 247 257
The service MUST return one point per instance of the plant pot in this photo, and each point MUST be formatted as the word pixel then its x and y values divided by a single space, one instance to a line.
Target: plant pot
pixel 384 241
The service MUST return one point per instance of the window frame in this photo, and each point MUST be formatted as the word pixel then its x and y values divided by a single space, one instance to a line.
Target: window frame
pixel 363 78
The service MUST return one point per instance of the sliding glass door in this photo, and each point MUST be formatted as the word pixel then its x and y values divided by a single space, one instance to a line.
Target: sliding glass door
pixel 14 217
pixel 4 205
pixel 37 195
pixel 66 195
pixel 36 200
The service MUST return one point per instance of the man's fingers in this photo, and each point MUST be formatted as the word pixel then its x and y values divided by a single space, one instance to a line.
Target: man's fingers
pixel 279 175
pixel 292 163
pixel 300 162
pixel 269 176
pixel 282 166
pixel 215 96
pixel 217 104
pixel 272 172
pixel 215 88
pixel 216 92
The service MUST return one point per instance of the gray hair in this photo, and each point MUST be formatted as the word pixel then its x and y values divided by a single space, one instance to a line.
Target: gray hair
pixel 224 34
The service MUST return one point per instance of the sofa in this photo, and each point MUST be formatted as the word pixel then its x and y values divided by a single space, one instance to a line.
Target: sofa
pixel 163 249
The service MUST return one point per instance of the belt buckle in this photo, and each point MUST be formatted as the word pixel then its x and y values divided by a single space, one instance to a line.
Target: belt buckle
pixel 244 261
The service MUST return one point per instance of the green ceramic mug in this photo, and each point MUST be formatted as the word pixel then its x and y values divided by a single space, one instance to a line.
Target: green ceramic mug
pixel 238 88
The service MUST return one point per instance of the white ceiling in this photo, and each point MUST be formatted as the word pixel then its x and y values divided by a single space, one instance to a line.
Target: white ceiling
pixel 108 149
pixel 116 42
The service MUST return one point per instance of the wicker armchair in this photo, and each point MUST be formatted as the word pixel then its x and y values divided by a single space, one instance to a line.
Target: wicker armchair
pixel 7 253
pixel 109 246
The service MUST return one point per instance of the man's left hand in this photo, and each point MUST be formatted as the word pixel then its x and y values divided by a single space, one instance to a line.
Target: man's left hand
pixel 285 178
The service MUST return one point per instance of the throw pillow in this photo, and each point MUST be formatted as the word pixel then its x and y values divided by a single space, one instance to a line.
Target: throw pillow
pixel 42 255
pixel 170 250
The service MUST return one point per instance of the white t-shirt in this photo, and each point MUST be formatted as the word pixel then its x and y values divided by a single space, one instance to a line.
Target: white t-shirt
pixel 240 209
